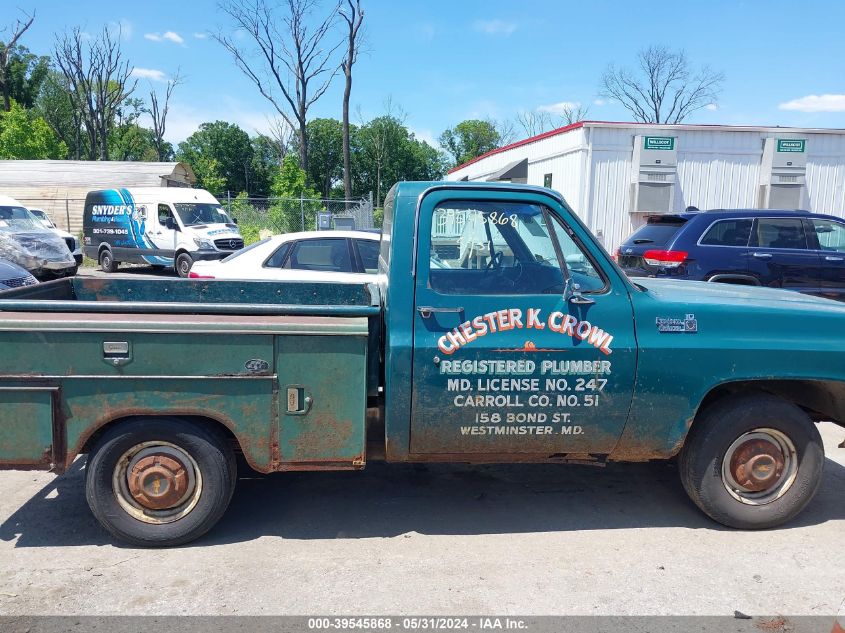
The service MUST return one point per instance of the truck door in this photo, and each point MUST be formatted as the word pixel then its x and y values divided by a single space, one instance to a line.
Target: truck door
pixel 509 358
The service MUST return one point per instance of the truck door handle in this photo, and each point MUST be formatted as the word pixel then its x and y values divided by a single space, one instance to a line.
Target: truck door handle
pixel 763 255
pixel 427 311
pixel 831 258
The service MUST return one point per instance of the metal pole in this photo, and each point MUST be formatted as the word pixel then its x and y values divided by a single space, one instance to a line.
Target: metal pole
pixel 228 202
pixel 301 212
pixel 67 214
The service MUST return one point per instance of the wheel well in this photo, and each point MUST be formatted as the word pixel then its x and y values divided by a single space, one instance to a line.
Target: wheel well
pixel 224 431
pixel 103 247
pixel 823 400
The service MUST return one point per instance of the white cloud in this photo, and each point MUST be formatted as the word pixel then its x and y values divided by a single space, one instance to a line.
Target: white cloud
pixel 149 73
pixel 711 107
pixel 494 27
pixel 200 36
pixel 599 102
pixel 559 108
pixel 167 36
pixel 816 103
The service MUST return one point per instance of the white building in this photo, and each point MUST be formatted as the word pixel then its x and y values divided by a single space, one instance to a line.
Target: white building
pixel 59 187
pixel 615 175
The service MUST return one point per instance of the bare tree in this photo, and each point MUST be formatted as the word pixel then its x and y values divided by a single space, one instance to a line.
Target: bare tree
pixel 534 122
pixel 100 80
pixel 664 89
pixel 282 134
pixel 20 27
pixel 353 15
pixel 158 113
pixel 505 129
pixel 290 63
pixel 573 112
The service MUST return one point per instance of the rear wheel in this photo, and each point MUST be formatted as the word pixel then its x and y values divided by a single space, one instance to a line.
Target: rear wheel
pixel 107 263
pixel 752 461
pixel 183 264
pixel 160 482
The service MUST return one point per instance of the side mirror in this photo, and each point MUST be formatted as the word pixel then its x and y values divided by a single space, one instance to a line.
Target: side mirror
pixel 170 224
pixel 235 220
pixel 572 293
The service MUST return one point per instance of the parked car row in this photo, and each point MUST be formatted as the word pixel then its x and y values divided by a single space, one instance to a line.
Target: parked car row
pixel 794 250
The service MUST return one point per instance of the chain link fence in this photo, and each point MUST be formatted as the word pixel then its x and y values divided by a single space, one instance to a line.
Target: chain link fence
pixel 259 217
pixel 255 216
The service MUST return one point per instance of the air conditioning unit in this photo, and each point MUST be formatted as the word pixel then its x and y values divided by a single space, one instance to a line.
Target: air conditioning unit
pixel 655 171
pixel 783 174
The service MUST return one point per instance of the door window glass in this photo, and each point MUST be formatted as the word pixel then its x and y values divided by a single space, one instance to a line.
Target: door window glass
pixel 728 233
pixel 278 258
pixel 164 213
pixel 580 266
pixel 779 233
pixel 368 252
pixel 831 235
pixel 492 248
pixel 328 255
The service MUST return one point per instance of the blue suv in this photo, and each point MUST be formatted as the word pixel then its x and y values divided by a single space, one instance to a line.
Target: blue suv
pixel 795 250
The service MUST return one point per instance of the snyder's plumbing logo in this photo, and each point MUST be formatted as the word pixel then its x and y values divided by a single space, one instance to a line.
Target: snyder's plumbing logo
pixel 687 325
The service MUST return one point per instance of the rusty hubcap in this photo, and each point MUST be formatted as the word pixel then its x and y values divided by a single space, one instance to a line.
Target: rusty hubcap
pixel 757 464
pixel 760 466
pixel 158 481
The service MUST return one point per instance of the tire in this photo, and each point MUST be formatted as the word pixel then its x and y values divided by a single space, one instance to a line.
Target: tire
pixel 122 451
pixel 183 264
pixel 107 263
pixel 721 433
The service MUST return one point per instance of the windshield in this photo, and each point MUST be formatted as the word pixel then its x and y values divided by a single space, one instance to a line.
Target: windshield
pixel 18 219
pixel 41 217
pixel 193 213
pixel 658 232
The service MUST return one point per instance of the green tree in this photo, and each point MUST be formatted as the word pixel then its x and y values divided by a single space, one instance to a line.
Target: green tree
pixel 25 75
pixel 266 161
pixel 208 175
pixel 470 139
pixel 229 146
pixel 130 141
pixel 296 206
pixel 54 105
pixel 325 154
pixel 24 135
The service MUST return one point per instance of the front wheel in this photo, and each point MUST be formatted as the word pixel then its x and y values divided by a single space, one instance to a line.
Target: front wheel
pixel 752 461
pixel 159 482
pixel 107 263
pixel 183 264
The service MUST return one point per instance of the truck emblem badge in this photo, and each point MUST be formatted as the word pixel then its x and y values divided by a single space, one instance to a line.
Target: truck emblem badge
pixel 687 325
pixel 256 366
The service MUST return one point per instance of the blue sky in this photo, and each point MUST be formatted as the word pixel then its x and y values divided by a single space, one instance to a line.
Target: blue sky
pixel 443 62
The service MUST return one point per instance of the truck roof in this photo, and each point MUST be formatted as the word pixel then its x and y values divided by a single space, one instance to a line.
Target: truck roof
pixel 414 189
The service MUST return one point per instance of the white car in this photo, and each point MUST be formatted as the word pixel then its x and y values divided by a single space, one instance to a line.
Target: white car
pixel 72 242
pixel 340 256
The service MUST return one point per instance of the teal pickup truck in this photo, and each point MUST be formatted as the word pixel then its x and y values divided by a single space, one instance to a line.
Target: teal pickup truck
pixel 499 331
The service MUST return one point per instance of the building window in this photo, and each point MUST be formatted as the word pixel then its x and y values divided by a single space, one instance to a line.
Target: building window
pixel 547 181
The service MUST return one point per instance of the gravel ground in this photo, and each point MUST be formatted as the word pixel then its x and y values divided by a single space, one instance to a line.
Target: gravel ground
pixel 435 539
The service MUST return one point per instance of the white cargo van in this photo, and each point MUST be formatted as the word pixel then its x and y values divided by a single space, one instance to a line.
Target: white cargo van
pixel 161 226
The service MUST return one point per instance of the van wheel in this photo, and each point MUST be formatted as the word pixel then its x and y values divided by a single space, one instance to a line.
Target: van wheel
pixel 107 263
pixel 752 461
pixel 183 264
pixel 159 482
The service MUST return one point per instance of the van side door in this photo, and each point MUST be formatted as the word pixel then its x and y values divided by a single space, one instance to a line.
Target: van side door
pixel 508 362
pixel 164 232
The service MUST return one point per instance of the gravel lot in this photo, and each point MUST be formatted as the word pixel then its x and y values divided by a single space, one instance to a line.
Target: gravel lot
pixel 436 539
